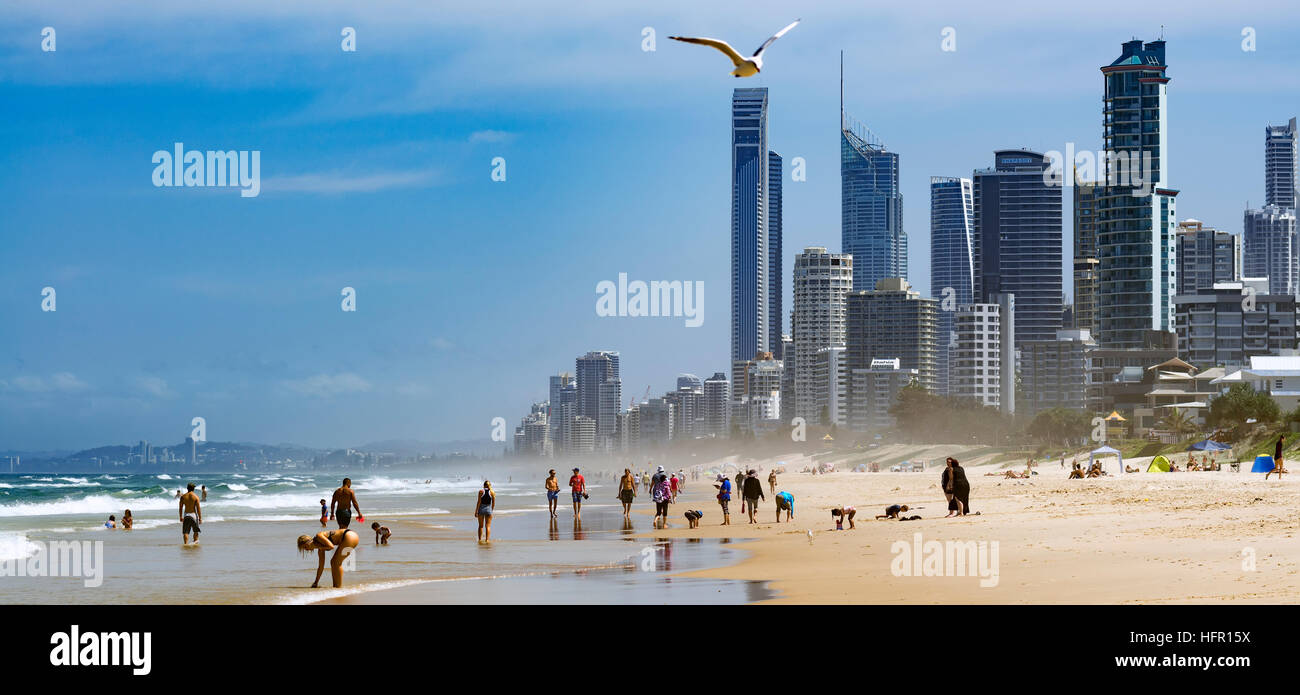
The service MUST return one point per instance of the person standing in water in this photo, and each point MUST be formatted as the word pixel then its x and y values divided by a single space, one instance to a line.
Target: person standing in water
pixel 341 541
pixel 552 492
pixel 191 515
pixel 627 491
pixel 343 502
pixel 484 505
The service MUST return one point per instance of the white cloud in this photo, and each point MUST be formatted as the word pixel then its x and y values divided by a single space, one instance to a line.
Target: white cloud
pixel 61 382
pixel 153 386
pixel 339 182
pixel 327 385
pixel 490 136
pixel 441 343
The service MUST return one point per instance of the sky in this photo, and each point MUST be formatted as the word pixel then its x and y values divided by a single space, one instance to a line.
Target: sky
pixel 377 174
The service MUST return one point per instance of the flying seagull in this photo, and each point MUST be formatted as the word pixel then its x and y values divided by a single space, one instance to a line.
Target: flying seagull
pixel 745 67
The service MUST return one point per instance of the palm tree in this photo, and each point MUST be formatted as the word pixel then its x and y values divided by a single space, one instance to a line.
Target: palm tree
pixel 1179 423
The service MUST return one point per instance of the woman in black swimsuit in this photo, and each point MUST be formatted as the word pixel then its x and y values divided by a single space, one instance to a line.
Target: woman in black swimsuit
pixel 341 541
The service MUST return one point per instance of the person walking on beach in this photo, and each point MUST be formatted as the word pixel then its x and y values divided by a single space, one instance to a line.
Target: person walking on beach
pixel 553 493
pixel 724 498
pixel 341 541
pixel 343 502
pixel 674 485
pixel 956 485
pixel 740 489
pixel 484 505
pixel 662 494
pixel 627 491
pixel 753 490
pixel 191 515
pixel 578 485
pixel 771 481
pixel 1277 459
pixel 324 514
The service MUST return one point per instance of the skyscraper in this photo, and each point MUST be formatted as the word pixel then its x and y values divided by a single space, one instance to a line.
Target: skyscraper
pixel 775 286
pixel 1206 256
pixel 1280 165
pixel 1085 254
pixel 952 259
pixel 1135 210
pixel 822 281
pixel 593 369
pixel 1272 249
pixel 977 358
pixel 1018 241
pixel 717 405
pixel 891 321
pixel 871 204
pixel 749 222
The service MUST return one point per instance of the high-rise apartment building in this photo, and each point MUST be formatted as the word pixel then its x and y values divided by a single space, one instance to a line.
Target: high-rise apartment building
pixel 1280 165
pixel 822 281
pixel 1271 248
pixel 871 207
pixel 1135 209
pixel 952 260
pixel 750 195
pixel 1018 241
pixel 1206 256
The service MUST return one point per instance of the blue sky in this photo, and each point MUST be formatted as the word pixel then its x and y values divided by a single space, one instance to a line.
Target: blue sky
pixel 376 174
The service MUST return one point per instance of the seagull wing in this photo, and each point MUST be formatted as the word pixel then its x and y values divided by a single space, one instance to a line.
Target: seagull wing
pixel 723 46
pixel 774 37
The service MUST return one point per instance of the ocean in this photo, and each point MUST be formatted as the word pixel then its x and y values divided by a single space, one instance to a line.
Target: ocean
pixel 247 552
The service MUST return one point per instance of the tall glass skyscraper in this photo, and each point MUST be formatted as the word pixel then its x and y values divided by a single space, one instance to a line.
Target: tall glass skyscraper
pixel 952 259
pixel 1136 225
pixel 1018 242
pixel 1085 253
pixel 871 207
pixel 1280 165
pixel 749 224
pixel 775 321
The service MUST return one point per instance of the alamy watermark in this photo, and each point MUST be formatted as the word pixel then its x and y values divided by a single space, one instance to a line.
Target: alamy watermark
pixel 1121 167
pixel 662 298
pixel 922 558
pixel 84 559
pixel 212 168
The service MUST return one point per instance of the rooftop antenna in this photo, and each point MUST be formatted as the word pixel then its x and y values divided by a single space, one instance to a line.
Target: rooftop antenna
pixel 841 88
pixel 1162 32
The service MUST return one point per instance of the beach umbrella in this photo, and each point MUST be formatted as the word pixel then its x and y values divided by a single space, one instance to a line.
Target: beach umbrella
pixel 1116 417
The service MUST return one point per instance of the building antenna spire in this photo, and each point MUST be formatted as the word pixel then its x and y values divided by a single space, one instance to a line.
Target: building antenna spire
pixel 841 88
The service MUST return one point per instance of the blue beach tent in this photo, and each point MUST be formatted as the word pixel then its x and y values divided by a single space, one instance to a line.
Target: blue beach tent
pixel 1263 464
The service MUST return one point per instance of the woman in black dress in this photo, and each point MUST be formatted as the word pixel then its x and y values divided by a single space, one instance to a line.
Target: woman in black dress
pixel 957 488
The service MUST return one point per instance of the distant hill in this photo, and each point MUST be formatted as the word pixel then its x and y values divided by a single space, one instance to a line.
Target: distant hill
pixel 412 447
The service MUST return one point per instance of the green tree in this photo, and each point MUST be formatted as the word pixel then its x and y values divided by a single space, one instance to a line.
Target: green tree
pixel 1177 422
pixel 1242 403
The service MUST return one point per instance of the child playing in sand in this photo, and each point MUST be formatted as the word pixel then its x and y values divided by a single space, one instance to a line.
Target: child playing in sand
pixel 324 513
pixel 381 533
pixel 840 514
pixel 892 511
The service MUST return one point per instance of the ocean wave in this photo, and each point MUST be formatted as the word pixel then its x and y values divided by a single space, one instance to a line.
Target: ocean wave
pixel 164 476
pixel 15 546
pixel 237 487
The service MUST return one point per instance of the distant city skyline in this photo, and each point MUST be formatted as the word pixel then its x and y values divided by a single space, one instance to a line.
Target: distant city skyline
pixel 176 303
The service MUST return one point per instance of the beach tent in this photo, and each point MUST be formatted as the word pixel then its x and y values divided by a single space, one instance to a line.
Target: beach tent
pixel 1263 464
pixel 1106 451
pixel 1209 445
pixel 1159 464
